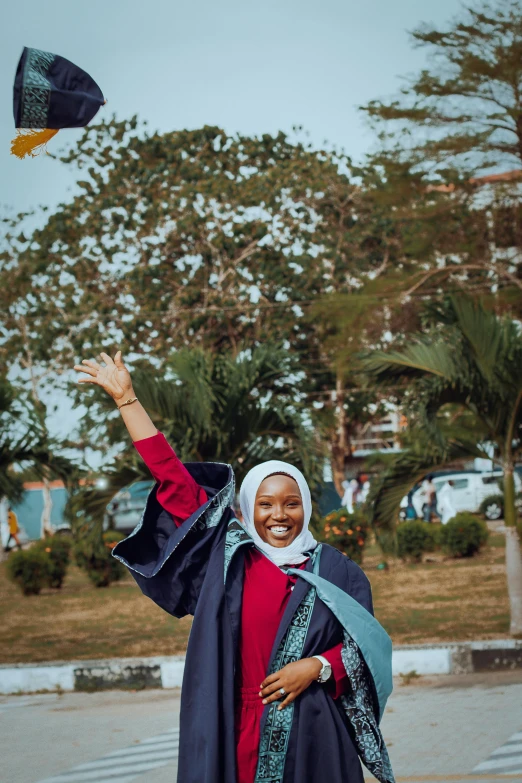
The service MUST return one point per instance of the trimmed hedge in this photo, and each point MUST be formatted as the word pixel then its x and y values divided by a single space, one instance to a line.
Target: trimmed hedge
pixel 346 532
pixel 29 569
pixel 415 538
pixel 58 551
pixel 464 535
pixel 95 558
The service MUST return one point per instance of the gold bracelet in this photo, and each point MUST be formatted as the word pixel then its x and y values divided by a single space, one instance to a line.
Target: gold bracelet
pixel 128 402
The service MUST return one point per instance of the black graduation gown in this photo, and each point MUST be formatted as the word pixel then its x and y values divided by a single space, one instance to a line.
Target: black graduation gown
pixel 197 569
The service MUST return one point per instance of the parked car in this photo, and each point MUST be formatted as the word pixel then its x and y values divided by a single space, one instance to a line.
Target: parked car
pixel 471 489
pixel 125 509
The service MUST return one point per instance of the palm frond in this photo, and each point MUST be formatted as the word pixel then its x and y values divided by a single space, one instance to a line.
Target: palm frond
pixel 241 410
pixel 483 331
pixel 428 450
pixel 423 357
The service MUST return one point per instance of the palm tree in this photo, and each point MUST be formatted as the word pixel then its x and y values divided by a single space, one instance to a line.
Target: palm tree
pixel 241 409
pixel 17 443
pixel 24 443
pixel 470 364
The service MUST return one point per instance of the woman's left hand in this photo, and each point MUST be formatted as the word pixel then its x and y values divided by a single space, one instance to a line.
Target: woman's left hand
pixel 294 678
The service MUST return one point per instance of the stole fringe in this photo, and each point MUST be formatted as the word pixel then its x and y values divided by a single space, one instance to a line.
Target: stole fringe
pixel 31 142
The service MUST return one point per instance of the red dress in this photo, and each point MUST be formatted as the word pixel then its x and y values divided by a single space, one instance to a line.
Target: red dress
pixel 266 590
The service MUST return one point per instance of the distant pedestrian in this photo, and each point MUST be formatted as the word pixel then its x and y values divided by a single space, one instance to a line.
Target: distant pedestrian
pixel 365 491
pixel 350 495
pixel 430 494
pixel 14 529
pixel 410 508
pixel 445 502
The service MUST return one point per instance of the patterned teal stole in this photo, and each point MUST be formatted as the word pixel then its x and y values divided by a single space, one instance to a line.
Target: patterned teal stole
pixel 276 732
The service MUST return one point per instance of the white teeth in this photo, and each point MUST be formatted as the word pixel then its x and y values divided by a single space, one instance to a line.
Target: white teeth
pixel 279 530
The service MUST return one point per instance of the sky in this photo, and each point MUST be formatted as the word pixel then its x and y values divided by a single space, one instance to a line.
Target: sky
pixel 252 67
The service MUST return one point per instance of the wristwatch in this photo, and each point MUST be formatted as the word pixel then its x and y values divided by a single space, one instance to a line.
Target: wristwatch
pixel 326 671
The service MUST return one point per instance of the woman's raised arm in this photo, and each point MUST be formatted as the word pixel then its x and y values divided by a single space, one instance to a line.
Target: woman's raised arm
pixel 115 378
pixel 177 491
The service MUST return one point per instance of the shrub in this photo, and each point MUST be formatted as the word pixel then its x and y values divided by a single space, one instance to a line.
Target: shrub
pixel 415 538
pixel 346 532
pixel 93 555
pixel 58 551
pixel 29 569
pixel 464 535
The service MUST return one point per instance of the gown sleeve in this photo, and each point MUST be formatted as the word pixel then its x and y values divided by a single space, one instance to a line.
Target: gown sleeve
pixel 180 537
pixel 177 491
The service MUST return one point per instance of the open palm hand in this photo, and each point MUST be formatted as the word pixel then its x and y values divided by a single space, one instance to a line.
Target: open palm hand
pixel 112 376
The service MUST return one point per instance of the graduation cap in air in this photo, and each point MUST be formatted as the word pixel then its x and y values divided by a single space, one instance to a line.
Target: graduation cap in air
pixel 50 93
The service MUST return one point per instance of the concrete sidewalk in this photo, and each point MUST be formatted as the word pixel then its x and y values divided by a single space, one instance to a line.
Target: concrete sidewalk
pixel 443 729
pixel 167 671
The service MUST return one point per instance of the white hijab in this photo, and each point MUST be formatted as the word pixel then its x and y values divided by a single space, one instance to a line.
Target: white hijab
pixel 304 542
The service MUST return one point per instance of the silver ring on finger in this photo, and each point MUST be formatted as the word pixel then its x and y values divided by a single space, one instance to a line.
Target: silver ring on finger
pixel 282 691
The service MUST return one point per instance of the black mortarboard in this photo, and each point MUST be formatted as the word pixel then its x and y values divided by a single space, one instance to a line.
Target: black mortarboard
pixel 50 93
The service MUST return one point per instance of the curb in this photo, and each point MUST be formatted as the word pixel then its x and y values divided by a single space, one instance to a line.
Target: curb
pixel 167 671
pixel 90 676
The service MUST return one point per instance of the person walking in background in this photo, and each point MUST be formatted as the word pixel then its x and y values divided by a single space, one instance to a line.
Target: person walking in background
pixel 350 495
pixel 365 489
pixel 410 508
pixel 430 493
pixel 445 502
pixel 12 521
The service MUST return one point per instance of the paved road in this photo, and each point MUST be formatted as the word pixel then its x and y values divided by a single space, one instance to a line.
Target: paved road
pixel 439 730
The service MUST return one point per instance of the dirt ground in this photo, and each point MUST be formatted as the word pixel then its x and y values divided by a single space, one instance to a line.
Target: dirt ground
pixel 437 601
pixel 443 599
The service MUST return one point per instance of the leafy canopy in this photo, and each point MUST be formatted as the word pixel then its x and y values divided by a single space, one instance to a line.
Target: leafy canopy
pixel 466 111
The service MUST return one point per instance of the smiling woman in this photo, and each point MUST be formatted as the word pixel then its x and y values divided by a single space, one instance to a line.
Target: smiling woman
pixel 278 515
pixel 276 506
pixel 284 645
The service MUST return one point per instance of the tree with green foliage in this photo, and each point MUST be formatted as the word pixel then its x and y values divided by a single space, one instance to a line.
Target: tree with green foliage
pixel 455 122
pixel 469 363
pixel 24 444
pixel 213 407
pixel 466 111
pixel 19 444
pixel 183 239
pixel 26 447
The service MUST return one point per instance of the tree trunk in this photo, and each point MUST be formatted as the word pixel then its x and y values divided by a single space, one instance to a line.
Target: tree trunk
pixel 340 443
pixel 513 553
pixel 510 510
pixel 45 519
pixel 514 580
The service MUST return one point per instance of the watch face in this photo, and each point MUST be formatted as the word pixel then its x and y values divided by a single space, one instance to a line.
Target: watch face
pixel 326 673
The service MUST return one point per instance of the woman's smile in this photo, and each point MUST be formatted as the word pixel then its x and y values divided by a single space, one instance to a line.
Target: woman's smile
pixel 279 530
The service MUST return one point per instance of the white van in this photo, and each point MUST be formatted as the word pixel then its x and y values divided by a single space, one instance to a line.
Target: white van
pixel 470 489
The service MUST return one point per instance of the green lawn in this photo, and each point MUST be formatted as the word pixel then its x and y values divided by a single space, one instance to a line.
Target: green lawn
pixel 431 602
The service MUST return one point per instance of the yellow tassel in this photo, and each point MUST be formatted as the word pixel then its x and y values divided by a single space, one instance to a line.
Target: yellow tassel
pixel 31 142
